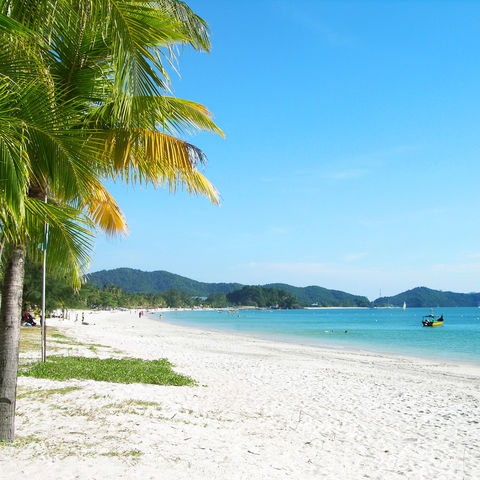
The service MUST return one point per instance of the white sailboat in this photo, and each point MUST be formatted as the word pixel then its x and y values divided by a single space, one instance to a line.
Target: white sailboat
pixel 404 305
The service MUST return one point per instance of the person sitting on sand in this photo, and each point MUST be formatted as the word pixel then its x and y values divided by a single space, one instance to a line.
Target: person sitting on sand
pixel 27 319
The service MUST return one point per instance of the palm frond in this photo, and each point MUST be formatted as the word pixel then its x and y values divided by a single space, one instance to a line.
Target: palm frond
pixel 138 29
pixel 174 115
pixel 105 212
pixel 70 240
pixel 149 156
pixel 197 184
pixel 13 170
pixel 80 100
pixel 195 28
pixel 9 25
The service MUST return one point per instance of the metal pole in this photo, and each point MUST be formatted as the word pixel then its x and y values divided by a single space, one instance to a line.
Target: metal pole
pixel 44 320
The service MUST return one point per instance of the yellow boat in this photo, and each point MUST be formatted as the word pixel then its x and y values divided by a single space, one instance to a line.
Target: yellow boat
pixel 432 320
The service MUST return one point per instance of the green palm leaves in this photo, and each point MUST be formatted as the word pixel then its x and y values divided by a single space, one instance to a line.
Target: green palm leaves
pixel 89 103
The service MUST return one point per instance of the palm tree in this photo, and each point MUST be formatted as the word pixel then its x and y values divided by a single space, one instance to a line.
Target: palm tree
pixel 93 109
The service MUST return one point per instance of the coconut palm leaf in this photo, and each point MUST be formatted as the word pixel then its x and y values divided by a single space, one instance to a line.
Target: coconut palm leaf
pixel 193 27
pixel 105 212
pixel 197 184
pixel 149 156
pixel 136 29
pixel 9 25
pixel 13 169
pixel 174 115
pixel 70 239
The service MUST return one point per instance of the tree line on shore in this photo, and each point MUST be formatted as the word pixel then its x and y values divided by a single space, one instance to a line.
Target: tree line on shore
pixel 134 280
pixel 91 295
pixel 61 295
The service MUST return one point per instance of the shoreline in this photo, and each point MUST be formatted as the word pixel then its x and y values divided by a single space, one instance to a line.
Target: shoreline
pixel 303 341
pixel 262 409
pixel 328 348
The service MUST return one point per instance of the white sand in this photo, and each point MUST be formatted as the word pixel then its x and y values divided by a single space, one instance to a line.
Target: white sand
pixel 263 410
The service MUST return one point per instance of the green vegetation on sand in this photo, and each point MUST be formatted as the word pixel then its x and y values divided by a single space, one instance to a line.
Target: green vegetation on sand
pixel 125 370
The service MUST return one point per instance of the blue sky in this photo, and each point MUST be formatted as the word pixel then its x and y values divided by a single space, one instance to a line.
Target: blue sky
pixel 351 158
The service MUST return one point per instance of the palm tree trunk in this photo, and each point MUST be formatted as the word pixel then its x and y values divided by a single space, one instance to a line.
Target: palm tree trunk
pixel 10 315
pixel 2 244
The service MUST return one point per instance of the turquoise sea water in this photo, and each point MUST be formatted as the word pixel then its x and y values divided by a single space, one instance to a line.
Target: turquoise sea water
pixel 379 330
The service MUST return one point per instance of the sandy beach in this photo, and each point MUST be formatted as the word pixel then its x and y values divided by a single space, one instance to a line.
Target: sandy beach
pixel 261 410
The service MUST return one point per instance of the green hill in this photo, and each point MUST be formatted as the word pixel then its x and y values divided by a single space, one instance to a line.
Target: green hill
pixel 262 297
pixel 133 280
pixel 322 296
pixel 138 281
pixel 426 297
pixel 160 281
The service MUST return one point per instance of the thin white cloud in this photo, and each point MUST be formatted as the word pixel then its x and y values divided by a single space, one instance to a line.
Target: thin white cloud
pixel 278 230
pixel 354 166
pixel 377 157
pixel 455 268
pixel 310 21
pixel 352 257
pixel 305 268
pixel 405 216
pixel 430 212
pixel 345 174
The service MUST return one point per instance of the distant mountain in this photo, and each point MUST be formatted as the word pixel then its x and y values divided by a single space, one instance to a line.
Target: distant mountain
pixel 160 281
pixel 155 282
pixel 139 281
pixel 426 297
pixel 322 296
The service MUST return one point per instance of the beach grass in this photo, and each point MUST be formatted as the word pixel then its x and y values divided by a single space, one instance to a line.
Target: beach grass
pixel 45 393
pixel 117 370
pixel 30 338
pixel 30 342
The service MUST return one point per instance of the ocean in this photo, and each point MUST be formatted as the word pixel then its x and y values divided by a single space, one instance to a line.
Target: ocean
pixel 382 330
